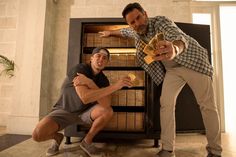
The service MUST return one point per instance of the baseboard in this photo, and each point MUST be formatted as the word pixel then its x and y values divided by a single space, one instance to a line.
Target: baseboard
pixel 22 125
pixel 3 118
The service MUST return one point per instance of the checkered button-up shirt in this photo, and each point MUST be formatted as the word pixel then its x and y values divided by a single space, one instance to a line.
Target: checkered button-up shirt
pixel 194 56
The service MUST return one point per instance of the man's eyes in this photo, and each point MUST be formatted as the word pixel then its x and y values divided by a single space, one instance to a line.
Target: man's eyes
pixel 103 57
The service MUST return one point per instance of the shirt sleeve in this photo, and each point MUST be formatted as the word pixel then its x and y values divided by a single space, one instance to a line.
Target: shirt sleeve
pixel 79 68
pixel 171 31
pixel 127 32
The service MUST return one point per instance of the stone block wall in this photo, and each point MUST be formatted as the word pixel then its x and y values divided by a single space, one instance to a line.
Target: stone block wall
pixel 8 28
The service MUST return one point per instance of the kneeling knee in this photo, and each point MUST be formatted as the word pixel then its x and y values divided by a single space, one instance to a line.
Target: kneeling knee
pixel 36 135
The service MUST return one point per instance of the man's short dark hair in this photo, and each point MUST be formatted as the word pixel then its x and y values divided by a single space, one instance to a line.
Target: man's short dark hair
pixel 130 7
pixel 97 49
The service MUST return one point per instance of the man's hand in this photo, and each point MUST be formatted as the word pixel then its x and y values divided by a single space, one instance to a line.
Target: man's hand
pixel 124 82
pixel 81 79
pixel 164 51
pixel 104 34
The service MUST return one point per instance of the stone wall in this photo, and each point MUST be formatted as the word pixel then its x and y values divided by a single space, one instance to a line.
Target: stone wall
pixel 178 10
pixel 8 28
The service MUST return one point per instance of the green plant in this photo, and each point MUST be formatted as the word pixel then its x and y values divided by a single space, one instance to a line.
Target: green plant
pixel 8 66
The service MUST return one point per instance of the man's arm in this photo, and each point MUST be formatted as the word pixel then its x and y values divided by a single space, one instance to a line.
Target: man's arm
pixel 88 95
pixel 172 32
pixel 81 79
pixel 110 33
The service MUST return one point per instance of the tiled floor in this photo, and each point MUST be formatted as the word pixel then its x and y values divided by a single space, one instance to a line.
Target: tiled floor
pixel 187 145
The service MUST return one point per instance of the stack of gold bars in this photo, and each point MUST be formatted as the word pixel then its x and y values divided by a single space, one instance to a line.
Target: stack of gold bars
pixel 150 48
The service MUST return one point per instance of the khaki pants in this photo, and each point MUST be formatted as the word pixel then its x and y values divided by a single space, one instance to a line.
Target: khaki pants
pixel 201 85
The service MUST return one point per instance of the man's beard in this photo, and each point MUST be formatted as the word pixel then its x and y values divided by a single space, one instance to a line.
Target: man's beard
pixel 142 29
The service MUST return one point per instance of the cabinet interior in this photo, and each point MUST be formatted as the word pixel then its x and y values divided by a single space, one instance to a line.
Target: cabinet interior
pixel 122 62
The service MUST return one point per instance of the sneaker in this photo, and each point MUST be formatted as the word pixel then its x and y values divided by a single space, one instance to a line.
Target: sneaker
pixel 213 155
pixel 165 153
pixel 53 149
pixel 90 149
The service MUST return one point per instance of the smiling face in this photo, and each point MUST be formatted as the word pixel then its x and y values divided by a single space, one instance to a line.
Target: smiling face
pixel 99 60
pixel 137 20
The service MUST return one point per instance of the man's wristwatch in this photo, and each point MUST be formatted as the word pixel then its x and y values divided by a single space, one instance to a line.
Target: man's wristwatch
pixel 177 51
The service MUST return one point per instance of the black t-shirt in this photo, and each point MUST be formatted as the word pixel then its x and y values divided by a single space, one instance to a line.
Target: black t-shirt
pixel 69 100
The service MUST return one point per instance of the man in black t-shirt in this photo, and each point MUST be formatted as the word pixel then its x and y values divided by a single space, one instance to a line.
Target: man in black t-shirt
pixel 85 99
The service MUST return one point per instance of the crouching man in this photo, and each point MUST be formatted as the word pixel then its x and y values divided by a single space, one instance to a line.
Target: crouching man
pixel 85 98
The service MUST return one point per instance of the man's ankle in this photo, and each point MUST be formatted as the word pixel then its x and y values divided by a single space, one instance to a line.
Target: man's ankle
pixel 58 138
pixel 87 141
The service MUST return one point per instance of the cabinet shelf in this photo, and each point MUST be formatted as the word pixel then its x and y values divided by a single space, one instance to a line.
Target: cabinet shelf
pixel 88 50
pixel 131 68
pixel 128 108
pixel 134 88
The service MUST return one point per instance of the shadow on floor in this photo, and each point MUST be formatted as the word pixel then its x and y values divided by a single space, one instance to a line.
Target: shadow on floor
pixel 9 140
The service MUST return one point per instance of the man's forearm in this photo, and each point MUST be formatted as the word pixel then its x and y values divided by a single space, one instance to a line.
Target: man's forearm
pixel 105 100
pixel 115 33
pixel 110 33
pixel 91 95
pixel 92 85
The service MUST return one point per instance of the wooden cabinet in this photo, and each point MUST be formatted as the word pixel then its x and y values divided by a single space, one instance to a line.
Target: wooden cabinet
pixel 136 109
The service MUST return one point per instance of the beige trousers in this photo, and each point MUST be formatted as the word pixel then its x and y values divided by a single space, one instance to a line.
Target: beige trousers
pixel 202 87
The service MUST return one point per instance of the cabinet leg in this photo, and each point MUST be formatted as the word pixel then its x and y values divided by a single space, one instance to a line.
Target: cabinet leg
pixel 68 140
pixel 156 143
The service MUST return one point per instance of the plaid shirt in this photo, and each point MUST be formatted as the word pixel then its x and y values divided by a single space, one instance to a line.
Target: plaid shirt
pixel 194 56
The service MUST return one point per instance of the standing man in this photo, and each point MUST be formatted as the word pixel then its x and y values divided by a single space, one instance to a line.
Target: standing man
pixel 85 99
pixel 179 60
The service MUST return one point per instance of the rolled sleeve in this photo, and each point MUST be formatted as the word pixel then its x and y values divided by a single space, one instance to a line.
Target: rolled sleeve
pixel 171 31
pixel 183 39
pixel 127 32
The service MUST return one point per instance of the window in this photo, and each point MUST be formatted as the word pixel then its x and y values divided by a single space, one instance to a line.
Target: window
pixel 228 33
pixel 204 18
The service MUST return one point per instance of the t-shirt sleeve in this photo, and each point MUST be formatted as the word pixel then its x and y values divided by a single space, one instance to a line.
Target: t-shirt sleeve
pixel 79 68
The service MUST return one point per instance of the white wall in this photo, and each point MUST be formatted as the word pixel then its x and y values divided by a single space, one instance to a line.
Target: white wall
pixel 178 11
pixel 8 29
